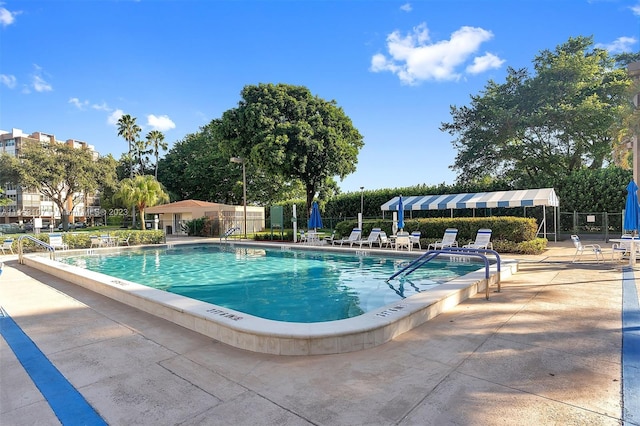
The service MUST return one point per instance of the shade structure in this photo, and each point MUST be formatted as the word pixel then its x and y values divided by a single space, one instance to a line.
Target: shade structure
pixel 477 200
pixel 400 214
pixel 315 221
pixel 632 209
pixel 545 197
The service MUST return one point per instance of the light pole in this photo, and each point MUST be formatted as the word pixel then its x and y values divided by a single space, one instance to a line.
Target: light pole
pixel 361 215
pixel 240 160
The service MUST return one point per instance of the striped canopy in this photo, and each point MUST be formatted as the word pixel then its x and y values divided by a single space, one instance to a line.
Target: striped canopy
pixel 526 197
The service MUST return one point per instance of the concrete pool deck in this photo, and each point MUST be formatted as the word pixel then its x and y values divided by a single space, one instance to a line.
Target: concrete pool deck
pixel 546 350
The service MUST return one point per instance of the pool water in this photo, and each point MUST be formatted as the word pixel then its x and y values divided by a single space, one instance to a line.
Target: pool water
pixel 274 283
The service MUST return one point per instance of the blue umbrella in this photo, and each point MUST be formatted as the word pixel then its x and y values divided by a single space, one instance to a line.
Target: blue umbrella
pixel 400 214
pixel 315 221
pixel 632 209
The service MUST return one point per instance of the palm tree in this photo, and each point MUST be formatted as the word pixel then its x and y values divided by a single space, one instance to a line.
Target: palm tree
pixel 129 130
pixel 155 139
pixel 141 192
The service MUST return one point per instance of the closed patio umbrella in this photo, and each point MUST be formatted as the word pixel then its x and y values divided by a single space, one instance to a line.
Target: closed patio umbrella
pixel 632 209
pixel 315 221
pixel 400 214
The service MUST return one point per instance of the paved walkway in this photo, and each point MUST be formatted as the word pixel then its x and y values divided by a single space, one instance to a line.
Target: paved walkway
pixel 545 351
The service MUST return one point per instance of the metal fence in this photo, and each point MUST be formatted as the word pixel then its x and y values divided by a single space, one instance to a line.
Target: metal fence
pixel 593 225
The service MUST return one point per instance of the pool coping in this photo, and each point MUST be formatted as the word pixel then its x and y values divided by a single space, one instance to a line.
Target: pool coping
pixel 261 335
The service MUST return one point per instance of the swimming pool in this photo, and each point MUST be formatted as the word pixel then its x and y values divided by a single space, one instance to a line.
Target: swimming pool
pixel 283 285
pixel 252 333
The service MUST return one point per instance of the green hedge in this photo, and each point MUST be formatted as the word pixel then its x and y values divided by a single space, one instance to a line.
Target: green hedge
pixel 509 234
pixel 79 240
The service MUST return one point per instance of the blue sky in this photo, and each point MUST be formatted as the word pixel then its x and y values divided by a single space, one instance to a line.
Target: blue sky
pixel 72 68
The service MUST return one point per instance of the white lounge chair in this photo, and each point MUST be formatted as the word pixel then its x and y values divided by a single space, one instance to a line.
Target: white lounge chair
pixel 371 239
pixel 353 237
pixel 483 240
pixel 55 241
pixel 448 240
pixel 580 248
pixel 7 244
pixel 415 239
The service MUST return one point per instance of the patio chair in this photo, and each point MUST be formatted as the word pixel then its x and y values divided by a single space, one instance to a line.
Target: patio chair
pixel 124 241
pixel 96 241
pixel 329 240
pixel 482 241
pixel 623 248
pixel 371 239
pixel 448 240
pixel 403 241
pixel 353 237
pixel 303 237
pixel 415 239
pixel 383 240
pixel 55 241
pixel 7 245
pixel 580 248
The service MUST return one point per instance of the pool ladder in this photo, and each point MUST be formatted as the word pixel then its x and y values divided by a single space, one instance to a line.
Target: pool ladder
pixel 473 252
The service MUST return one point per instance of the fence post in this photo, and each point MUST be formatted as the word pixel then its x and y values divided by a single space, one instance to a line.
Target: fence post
pixel 575 222
pixel 605 223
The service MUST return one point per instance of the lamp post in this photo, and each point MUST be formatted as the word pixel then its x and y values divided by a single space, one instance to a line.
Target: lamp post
pixel 361 215
pixel 240 160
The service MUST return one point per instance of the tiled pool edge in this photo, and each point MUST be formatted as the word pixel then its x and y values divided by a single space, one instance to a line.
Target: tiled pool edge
pixel 274 337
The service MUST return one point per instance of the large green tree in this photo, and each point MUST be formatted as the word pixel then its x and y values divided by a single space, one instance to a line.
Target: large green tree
pixel 196 168
pixel 533 128
pixel 286 131
pixel 141 192
pixel 60 172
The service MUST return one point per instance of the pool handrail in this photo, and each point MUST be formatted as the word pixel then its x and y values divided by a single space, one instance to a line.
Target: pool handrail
pixel 432 254
pixel 49 248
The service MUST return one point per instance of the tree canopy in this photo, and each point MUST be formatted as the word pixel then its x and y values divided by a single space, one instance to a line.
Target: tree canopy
pixel 60 172
pixel 196 168
pixel 286 131
pixel 534 128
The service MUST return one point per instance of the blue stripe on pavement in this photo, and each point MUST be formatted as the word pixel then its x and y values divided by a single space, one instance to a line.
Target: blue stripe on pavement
pixel 66 402
pixel 630 349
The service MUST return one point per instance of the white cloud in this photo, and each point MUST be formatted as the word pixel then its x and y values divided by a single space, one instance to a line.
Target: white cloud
pixel 38 82
pixel 406 7
pixel 484 63
pixel 636 9
pixel 161 123
pixel 619 45
pixel 78 103
pixel 113 118
pixel 7 17
pixel 414 58
pixel 101 107
pixel 8 80
pixel 40 85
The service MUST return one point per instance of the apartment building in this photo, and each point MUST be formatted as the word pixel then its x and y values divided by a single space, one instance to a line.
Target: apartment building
pixel 28 204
